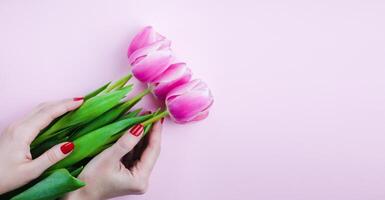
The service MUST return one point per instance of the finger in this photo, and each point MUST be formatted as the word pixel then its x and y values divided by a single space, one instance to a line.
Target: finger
pixel 50 157
pixel 127 142
pixel 152 151
pixel 46 114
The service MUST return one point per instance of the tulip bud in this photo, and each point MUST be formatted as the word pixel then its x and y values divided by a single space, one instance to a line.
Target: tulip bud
pixel 149 55
pixel 149 62
pixel 144 38
pixel 176 75
pixel 189 102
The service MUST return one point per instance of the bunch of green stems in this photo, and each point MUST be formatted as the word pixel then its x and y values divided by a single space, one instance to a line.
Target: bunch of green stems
pixel 102 118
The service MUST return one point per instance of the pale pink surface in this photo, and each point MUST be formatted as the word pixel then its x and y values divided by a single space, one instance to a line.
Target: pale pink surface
pixel 299 88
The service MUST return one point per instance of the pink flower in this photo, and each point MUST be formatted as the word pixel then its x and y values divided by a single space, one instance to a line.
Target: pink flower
pixel 144 38
pixel 176 74
pixel 149 55
pixel 149 67
pixel 189 102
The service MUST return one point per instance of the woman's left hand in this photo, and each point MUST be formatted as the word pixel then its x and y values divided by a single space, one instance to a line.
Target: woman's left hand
pixel 17 167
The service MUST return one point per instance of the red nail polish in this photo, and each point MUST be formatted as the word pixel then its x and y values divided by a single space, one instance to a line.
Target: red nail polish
pixel 137 130
pixel 162 120
pixel 78 98
pixel 67 147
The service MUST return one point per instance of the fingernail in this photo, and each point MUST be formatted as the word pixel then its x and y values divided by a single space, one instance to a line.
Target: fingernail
pixel 67 147
pixel 162 120
pixel 136 130
pixel 78 98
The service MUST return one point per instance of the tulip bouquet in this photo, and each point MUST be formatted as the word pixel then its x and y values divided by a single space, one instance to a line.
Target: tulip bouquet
pixel 106 114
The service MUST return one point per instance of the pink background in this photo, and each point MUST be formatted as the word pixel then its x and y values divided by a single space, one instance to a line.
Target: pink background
pixel 299 88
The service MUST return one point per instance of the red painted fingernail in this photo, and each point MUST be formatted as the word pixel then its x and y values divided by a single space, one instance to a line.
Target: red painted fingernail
pixel 67 147
pixel 137 130
pixel 78 98
pixel 162 120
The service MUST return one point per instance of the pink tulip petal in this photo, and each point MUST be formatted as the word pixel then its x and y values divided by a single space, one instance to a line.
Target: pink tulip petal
pixel 183 88
pixel 187 107
pixel 201 116
pixel 173 72
pixel 162 89
pixel 152 65
pixel 176 75
pixel 156 46
pixel 189 102
pixel 143 38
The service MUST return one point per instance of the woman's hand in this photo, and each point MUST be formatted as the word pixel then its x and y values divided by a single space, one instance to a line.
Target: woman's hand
pixel 17 167
pixel 106 176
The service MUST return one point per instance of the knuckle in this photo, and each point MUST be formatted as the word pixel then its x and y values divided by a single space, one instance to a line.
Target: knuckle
pixel 125 144
pixel 141 187
pixel 56 110
pixel 42 105
pixel 46 112
pixel 12 127
pixel 49 113
pixel 62 108
pixel 12 131
pixel 17 131
pixel 51 156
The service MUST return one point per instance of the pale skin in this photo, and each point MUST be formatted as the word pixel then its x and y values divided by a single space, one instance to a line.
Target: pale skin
pixel 105 175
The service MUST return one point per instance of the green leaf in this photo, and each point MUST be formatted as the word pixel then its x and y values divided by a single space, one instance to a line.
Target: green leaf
pixel 109 116
pixel 97 91
pixel 119 83
pixel 53 186
pixel 77 171
pixel 90 109
pixel 147 129
pixel 91 142
pixel 100 121
pixel 115 137
pixel 43 147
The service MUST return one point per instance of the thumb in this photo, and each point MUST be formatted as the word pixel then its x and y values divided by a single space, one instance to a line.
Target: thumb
pixel 52 156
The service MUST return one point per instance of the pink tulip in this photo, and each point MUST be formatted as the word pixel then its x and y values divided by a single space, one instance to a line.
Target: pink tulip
pixel 144 38
pixel 177 74
pixel 149 55
pixel 149 62
pixel 189 102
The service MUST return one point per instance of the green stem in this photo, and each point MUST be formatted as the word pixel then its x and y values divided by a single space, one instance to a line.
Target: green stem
pixel 155 118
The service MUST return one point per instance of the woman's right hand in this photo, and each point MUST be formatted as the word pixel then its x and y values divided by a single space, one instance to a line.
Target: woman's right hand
pixel 106 176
